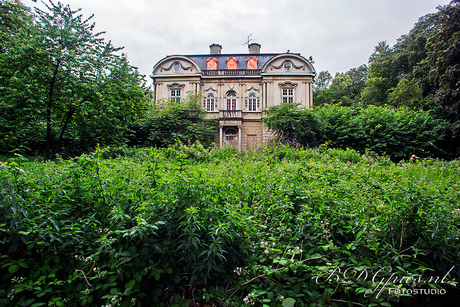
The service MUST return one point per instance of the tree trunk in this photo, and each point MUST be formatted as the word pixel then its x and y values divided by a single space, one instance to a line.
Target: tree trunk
pixel 64 128
pixel 48 112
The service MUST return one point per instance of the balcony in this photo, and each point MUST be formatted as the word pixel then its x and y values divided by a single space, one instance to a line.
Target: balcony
pixel 230 114
pixel 231 72
pixel 234 116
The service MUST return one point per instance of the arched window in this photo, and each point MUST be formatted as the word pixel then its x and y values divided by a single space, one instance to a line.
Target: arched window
pixel 231 100
pixel 252 102
pixel 230 132
pixel 210 102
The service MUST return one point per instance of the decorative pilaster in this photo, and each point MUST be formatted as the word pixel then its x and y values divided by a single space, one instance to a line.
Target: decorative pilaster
pixel 239 138
pixel 221 134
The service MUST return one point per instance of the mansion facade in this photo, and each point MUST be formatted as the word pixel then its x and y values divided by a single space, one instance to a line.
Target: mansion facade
pixel 236 88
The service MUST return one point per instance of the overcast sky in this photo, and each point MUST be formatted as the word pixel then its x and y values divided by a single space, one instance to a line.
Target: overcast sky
pixel 338 34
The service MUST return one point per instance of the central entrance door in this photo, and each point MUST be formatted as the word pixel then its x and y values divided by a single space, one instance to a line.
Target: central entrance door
pixel 231 137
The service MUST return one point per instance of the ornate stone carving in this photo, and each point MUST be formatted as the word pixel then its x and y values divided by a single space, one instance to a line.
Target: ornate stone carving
pixel 252 89
pixel 172 64
pixel 210 89
pixel 287 84
pixel 175 85
pixel 282 65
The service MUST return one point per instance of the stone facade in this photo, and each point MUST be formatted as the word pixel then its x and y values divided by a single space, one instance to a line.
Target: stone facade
pixel 236 88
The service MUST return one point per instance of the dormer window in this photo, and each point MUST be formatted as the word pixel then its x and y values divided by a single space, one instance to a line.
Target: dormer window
pixel 212 63
pixel 252 63
pixel 232 63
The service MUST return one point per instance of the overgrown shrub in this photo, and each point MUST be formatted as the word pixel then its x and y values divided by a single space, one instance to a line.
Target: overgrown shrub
pixel 157 227
pixel 171 121
pixel 398 133
pixel 294 126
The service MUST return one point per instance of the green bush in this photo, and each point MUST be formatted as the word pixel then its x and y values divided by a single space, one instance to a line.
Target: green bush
pixel 171 121
pixel 157 227
pixel 294 126
pixel 398 133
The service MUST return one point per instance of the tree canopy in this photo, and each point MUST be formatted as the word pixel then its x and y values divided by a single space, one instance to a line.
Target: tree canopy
pixel 421 71
pixel 63 85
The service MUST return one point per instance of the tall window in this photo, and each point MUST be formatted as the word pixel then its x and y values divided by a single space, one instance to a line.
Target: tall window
pixel 175 95
pixel 231 100
pixel 210 103
pixel 288 95
pixel 252 102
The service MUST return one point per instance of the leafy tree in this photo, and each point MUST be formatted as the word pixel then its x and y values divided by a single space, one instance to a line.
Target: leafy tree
pixel 13 16
pixel 407 59
pixel 445 58
pixel 406 93
pixel 340 89
pixel 320 93
pixel 411 50
pixel 358 76
pixel 322 81
pixel 59 77
pixel 345 87
pixel 170 121
pixel 381 76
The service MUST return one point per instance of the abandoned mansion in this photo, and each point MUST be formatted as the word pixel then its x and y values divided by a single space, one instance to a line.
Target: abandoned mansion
pixel 236 88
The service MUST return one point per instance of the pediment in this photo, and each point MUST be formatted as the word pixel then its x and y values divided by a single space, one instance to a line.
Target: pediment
pixel 176 65
pixel 288 64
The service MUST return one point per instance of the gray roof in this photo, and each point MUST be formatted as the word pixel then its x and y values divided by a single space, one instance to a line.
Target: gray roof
pixel 262 58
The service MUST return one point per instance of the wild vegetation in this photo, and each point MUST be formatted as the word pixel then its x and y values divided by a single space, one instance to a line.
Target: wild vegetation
pixel 189 226
pixel 398 133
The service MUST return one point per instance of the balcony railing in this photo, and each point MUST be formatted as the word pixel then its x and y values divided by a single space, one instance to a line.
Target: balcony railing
pixel 232 72
pixel 230 114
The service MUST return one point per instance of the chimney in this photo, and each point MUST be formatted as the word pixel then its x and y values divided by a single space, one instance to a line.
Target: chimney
pixel 215 48
pixel 254 48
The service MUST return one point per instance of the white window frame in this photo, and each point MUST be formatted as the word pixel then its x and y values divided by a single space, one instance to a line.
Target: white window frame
pixel 287 95
pixel 252 102
pixel 210 103
pixel 175 94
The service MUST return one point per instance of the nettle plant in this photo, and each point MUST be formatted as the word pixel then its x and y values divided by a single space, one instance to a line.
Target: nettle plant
pixel 213 227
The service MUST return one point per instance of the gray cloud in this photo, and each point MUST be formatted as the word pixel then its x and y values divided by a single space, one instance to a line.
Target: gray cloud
pixel 339 34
